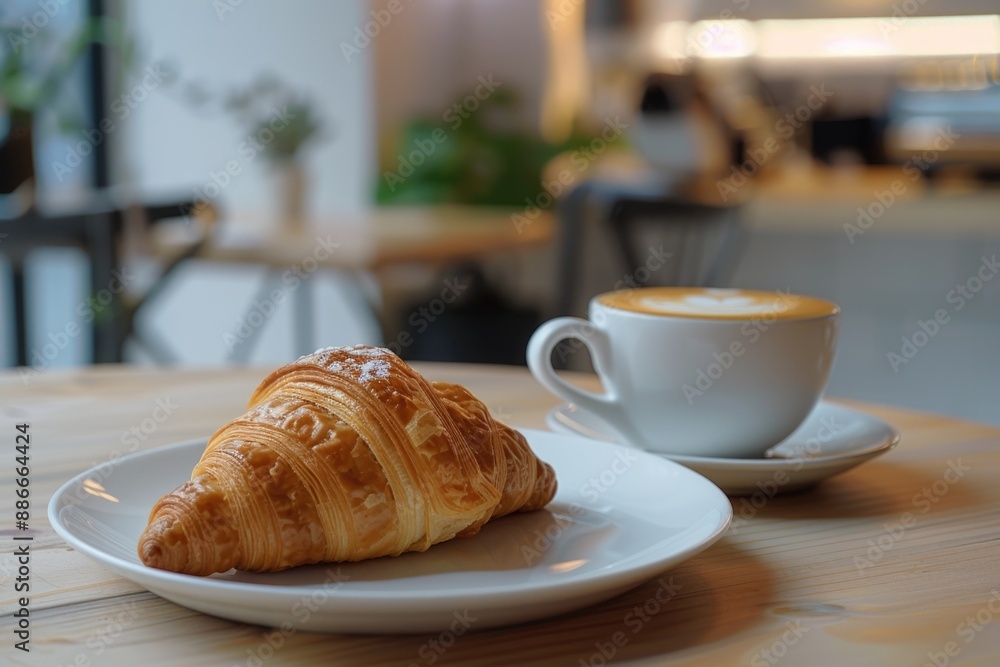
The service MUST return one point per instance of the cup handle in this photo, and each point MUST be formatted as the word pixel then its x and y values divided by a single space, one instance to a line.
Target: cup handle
pixel 540 348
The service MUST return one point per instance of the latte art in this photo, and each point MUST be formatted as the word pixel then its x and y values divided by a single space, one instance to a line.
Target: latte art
pixel 718 303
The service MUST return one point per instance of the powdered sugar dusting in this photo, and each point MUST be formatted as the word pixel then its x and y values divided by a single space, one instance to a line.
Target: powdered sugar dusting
pixel 359 351
pixel 369 363
pixel 265 412
pixel 376 368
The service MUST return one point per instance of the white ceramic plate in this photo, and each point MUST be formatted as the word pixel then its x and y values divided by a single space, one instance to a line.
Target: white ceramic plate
pixel 831 440
pixel 620 518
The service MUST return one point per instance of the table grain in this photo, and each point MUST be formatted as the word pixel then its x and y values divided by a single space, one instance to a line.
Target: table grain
pixel 896 562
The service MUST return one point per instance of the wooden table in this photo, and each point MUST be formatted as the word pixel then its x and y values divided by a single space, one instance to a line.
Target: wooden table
pixel 888 564
pixel 383 237
pixel 373 243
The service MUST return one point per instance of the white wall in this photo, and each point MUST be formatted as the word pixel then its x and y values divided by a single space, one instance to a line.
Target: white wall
pixel 167 148
pixel 458 41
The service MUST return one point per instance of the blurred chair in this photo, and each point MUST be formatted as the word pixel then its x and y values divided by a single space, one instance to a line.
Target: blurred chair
pixel 685 145
pixel 96 228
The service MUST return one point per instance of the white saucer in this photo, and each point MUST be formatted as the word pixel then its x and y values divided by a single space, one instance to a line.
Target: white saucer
pixel 620 518
pixel 831 440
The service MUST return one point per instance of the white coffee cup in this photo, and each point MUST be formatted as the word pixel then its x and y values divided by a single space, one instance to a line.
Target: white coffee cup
pixel 698 371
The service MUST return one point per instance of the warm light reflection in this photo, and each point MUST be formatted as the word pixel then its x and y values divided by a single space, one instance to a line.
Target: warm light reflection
pixel 721 39
pixel 92 484
pixel 566 89
pixel 976 73
pixel 881 37
pixel 670 39
pixel 100 494
pixel 567 566
pixel 798 39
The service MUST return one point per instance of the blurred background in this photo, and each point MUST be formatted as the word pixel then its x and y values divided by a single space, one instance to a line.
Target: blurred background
pixel 242 181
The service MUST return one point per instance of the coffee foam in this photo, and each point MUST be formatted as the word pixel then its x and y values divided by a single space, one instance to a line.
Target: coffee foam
pixel 718 303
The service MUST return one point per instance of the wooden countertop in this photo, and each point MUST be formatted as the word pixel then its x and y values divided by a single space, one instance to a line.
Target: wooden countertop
pixel 835 576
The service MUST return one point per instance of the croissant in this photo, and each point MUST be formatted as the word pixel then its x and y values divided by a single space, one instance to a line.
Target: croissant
pixel 344 454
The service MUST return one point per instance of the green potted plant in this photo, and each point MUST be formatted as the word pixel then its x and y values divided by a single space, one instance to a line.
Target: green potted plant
pixel 34 67
pixel 469 159
pixel 280 124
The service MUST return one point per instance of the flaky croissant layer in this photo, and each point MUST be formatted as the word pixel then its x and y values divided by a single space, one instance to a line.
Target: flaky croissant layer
pixel 343 455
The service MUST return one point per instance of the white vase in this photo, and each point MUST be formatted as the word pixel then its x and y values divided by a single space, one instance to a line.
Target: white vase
pixel 291 185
